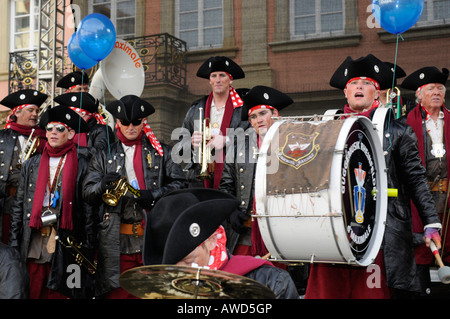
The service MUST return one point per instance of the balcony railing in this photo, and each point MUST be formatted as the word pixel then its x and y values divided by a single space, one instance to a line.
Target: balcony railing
pixel 163 57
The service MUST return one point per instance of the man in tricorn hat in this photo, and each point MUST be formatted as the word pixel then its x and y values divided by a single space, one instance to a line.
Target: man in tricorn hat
pixel 148 167
pixel 48 205
pixel 100 136
pixel 361 80
pixel 222 109
pixel 431 116
pixel 261 104
pixel 20 124
pixel 185 229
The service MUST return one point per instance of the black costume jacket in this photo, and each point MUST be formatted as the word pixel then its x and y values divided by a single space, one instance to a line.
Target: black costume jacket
pixel 406 173
pixel 161 177
pixel 83 226
pixel 192 115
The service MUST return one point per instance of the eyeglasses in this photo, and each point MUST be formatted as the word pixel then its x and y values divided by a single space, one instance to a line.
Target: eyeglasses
pixel 59 127
pixel 135 122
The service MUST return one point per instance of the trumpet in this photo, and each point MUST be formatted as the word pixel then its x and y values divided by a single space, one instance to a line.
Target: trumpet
pixel 75 250
pixel 391 94
pixel 111 196
pixel 204 152
pixel 29 149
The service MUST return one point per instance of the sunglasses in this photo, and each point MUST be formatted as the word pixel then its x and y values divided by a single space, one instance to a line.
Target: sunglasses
pixel 135 122
pixel 59 127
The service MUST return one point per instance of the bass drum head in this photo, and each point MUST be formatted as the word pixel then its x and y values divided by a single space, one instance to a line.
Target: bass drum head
pixel 364 191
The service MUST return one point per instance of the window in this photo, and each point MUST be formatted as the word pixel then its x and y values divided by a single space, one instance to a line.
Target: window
pixel 122 13
pixel 24 25
pixel 199 23
pixel 316 18
pixel 435 12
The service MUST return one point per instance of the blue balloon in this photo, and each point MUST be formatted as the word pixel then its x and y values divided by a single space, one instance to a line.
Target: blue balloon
pixel 77 55
pixel 397 16
pixel 97 36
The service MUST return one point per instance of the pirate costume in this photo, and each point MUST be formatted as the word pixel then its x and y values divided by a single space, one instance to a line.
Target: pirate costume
pixel 433 139
pixel 405 173
pixel 221 119
pixel 48 206
pixel 148 167
pixel 13 140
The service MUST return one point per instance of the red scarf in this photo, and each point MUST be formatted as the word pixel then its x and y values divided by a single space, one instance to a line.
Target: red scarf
pixel 348 109
pixel 220 155
pixel 80 139
pixel 137 157
pixel 69 181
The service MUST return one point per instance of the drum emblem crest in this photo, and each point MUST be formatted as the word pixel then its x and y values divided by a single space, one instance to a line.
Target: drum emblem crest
pixel 299 149
pixel 359 194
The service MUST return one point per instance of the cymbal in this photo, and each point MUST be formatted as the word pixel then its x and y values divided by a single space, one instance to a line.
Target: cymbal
pixel 183 282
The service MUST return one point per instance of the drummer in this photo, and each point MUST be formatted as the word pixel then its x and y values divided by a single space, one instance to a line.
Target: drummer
pixel 184 229
pixel 393 274
pixel 261 104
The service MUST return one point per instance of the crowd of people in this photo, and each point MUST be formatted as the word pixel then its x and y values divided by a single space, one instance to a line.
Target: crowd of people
pixel 74 191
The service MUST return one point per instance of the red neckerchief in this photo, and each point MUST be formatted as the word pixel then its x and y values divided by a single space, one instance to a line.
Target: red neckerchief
pixel 80 139
pixel 137 157
pixel 218 255
pixel 348 109
pixel 69 180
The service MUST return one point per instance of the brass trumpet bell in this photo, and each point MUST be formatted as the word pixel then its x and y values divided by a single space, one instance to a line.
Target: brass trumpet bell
pixel 111 196
pixel 29 149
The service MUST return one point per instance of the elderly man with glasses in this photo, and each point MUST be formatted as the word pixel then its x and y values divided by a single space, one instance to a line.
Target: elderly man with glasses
pixel 150 172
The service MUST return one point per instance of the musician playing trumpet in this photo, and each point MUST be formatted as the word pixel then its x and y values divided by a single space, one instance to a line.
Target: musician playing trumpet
pixel 221 109
pixel 147 166
pixel 20 130
pixel 48 206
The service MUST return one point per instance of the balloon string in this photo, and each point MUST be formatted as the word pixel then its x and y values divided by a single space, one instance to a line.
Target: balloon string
pixel 81 104
pixel 104 104
pixel 395 67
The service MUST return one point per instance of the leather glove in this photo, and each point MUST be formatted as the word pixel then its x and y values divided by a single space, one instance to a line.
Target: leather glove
pixel 237 219
pixel 108 179
pixel 433 234
pixel 145 200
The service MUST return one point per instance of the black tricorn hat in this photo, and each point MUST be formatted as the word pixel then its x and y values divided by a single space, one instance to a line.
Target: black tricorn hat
pixel 399 72
pixel 220 63
pixel 26 96
pixel 130 108
pixel 72 79
pixel 82 100
pixel 63 114
pixel 182 220
pixel 425 75
pixel 264 95
pixel 367 66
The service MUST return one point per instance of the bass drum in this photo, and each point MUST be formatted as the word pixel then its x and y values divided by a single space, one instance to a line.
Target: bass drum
pixel 321 191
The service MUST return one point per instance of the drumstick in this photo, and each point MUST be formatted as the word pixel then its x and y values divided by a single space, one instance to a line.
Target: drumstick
pixel 265 257
pixel 444 271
